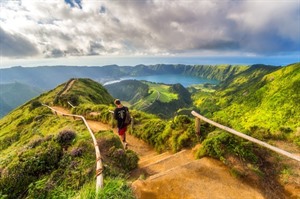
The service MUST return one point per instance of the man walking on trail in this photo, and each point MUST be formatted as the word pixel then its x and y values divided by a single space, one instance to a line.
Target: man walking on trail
pixel 120 114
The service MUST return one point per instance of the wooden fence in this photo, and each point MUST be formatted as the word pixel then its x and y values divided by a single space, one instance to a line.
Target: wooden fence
pixel 99 166
pixel 232 131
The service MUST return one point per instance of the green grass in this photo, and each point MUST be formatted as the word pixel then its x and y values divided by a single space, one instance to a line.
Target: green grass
pixel 113 189
pixel 50 167
pixel 161 92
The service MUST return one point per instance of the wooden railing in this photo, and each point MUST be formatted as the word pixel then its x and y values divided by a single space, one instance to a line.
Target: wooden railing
pixel 99 166
pixel 232 131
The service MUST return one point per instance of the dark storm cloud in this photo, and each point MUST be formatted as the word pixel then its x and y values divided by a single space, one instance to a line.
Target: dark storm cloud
pixel 16 45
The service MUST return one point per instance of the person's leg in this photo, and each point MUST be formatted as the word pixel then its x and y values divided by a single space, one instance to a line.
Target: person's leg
pixel 122 134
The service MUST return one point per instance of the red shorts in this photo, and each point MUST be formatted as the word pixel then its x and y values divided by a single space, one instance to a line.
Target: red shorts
pixel 122 130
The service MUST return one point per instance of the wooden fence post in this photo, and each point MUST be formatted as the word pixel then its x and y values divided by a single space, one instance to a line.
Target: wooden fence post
pixel 197 125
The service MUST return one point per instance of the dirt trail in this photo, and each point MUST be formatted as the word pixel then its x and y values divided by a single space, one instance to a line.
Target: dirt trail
pixel 135 144
pixel 179 175
pixel 68 87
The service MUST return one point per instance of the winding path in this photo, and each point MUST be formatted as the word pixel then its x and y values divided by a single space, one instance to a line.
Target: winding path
pixel 179 175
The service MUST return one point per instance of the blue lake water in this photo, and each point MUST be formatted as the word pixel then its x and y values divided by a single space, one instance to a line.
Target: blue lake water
pixel 185 80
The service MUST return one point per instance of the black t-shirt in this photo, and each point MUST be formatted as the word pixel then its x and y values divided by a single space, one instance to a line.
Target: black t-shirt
pixel 120 115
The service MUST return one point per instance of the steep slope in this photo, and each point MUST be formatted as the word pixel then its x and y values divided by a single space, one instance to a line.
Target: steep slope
pixel 83 91
pixel 262 99
pixel 53 156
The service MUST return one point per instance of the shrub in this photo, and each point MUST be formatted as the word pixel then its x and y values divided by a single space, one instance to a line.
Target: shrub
pixel 34 105
pixel 77 152
pixel 219 144
pixel 39 141
pixel 125 160
pixel 9 140
pixel 181 121
pixel 65 138
pixel 41 159
pixel 150 130
pixel 31 164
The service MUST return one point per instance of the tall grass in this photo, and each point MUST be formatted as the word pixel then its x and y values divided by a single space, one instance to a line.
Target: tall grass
pixel 113 189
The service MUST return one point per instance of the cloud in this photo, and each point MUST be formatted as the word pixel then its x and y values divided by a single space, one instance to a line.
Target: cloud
pixel 149 27
pixel 16 45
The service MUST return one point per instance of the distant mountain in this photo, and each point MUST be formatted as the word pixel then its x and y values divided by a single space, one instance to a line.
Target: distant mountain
pixel 47 77
pixel 15 94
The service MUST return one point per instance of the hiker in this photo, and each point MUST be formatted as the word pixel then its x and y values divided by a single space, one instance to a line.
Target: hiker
pixel 120 114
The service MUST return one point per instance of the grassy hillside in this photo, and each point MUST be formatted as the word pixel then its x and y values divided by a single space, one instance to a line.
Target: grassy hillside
pixel 160 99
pixel 55 158
pixel 82 91
pixel 14 94
pixel 45 156
pixel 128 90
pixel 263 101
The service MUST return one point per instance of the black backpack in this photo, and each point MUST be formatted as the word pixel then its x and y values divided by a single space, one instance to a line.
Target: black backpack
pixel 127 117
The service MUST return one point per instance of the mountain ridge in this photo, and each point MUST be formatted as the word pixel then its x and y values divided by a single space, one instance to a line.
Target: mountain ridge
pixel 48 77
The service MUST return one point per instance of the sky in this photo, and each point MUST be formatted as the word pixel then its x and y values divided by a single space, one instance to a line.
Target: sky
pixel 131 32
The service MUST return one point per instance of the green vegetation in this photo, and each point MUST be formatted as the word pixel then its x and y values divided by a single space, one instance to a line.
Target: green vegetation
pixel 164 93
pixel 221 144
pixel 54 156
pixel 128 90
pixel 261 101
pixel 115 188
pixel 160 99
pixel 83 91
pixel 166 135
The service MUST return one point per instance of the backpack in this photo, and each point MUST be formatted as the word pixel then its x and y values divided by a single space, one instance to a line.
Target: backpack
pixel 127 117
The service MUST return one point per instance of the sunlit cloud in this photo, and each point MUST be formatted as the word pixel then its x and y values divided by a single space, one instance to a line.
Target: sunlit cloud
pixel 52 29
